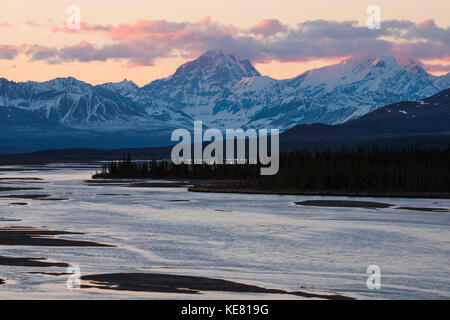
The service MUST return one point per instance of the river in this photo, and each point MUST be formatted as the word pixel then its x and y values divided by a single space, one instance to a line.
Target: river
pixel 265 240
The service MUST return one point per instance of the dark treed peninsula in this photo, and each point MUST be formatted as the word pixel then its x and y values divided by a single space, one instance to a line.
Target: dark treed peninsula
pixel 362 170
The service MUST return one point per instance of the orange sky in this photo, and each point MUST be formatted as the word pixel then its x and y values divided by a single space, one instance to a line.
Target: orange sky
pixel 25 22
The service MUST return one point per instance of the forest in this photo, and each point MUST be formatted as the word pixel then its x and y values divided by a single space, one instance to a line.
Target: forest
pixel 361 169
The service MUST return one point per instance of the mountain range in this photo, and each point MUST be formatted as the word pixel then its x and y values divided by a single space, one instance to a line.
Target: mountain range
pixel 426 117
pixel 422 123
pixel 218 88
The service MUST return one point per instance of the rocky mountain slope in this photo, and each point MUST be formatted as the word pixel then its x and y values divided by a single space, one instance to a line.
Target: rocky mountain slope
pixel 429 116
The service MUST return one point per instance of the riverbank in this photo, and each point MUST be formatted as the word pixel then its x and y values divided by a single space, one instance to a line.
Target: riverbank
pixel 298 192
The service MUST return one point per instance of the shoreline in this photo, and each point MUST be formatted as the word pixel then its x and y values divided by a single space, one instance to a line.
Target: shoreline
pixel 29 236
pixel 220 186
pixel 181 284
pixel 362 194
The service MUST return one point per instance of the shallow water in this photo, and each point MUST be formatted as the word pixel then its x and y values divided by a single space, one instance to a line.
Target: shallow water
pixel 264 240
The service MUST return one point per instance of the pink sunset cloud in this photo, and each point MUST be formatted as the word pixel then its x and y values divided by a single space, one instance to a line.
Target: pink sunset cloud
pixel 268 27
pixel 441 68
pixel 32 23
pixel 144 41
pixel 429 23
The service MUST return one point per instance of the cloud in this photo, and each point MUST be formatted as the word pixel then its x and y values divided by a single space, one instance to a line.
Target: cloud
pixel 38 52
pixel 437 67
pixel 424 31
pixel 427 23
pixel 32 23
pixel 137 53
pixel 8 52
pixel 268 27
pixel 84 28
pixel 144 41
pixel 5 24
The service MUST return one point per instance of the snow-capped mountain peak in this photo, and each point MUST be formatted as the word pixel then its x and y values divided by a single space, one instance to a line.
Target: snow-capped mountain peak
pixel 68 84
pixel 350 70
pixel 363 62
pixel 218 66
pixel 126 87
pixel 198 87
pixel 409 63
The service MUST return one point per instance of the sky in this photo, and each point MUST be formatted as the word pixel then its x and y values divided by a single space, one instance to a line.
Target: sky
pixel 143 40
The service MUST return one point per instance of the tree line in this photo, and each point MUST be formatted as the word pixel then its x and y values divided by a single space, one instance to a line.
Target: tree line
pixel 360 169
